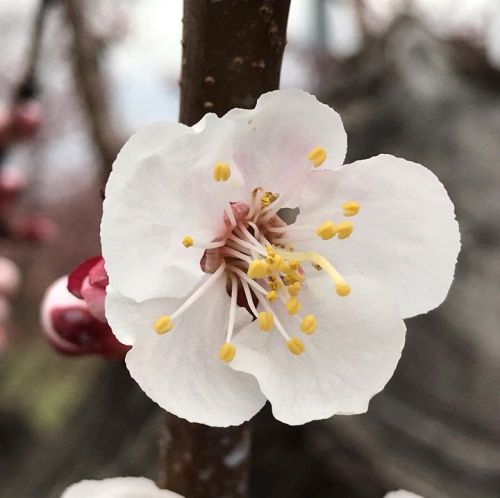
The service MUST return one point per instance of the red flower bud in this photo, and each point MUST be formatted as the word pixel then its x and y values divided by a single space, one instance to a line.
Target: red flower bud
pixel 72 328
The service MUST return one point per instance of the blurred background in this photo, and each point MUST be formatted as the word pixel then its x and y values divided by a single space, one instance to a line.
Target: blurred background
pixel 419 79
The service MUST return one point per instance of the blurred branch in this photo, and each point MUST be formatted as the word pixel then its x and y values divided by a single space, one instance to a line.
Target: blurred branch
pixel 27 87
pixel 232 53
pixel 91 83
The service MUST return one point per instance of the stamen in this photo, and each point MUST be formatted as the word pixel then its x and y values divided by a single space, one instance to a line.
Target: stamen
pixel 227 352
pixel 308 324
pixel 258 268
pixel 294 288
pixel 232 308
pixel 317 156
pixel 249 298
pixel 350 208
pixel 340 284
pixel 228 251
pixel 248 245
pixel 295 346
pixel 163 324
pixel 265 319
pixel 327 230
pixel 344 229
pixel 187 241
pixel 271 296
pixel 277 323
pixel 268 198
pixel 246 278
pixel 221 172
pixel 293 305
pixel 230 215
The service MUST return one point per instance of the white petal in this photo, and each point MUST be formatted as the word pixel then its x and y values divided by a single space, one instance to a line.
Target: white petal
pixel 118 487
pixel 145 142
pixel 153 204
pixel 349 358
pixel 402 494
pixel 405 235
pixel 181 370
pixel 273 140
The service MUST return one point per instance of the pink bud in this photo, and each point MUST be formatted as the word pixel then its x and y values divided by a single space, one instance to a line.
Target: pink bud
pixel 34 229
pixel 10 276
pixel 72 329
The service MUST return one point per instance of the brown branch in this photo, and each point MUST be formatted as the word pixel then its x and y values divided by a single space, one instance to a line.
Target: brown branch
pixel 91 84
pixel 232 53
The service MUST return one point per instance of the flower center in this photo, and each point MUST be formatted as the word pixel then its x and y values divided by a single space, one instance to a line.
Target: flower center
pixel 257 256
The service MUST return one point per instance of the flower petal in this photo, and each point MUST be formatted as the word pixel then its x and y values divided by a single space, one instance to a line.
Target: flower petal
pixel 152 205
pixel 405 235
pixel 181 370
pixel 349 358
pixel 402 494
pixel 118 487
pixel 273 140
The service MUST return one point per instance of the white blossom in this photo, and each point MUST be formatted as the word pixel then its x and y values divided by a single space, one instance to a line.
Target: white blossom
pixel 257 206
pixel 118 487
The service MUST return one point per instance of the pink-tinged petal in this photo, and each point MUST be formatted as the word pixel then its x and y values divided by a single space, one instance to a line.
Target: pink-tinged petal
pixel 347 360
pixel 94 297
pixel 98 275
pixel 80 273
pixel 150 207
pixel 181 370
pixel 272 141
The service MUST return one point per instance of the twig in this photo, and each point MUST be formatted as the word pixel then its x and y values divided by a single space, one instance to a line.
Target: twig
pixel 91 84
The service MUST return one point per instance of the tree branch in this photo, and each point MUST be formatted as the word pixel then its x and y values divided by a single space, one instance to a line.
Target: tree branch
pixel 232 53
pixel 91 84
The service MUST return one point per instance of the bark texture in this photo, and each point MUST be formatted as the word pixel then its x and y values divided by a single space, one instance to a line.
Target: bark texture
pixel 232 53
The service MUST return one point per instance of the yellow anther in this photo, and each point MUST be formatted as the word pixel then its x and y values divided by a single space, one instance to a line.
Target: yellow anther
pixel 268 198
pixel 271 296
pixel 295 346
pixel 274 283
pixel 294 289
pixel 293 305
pixel 317 156
pixel 275 261
pixel 227 352
pixel 327 230
pixel 187 241
pixel 221 172
pixel 344 229
pixel 308 324
pixel 317 267
pixel 342 289
pixel 270 250
pixel 320 261
pixel 284 267
pixel 265 320
pixel 350 208
pixel 163 325
pixel 294 265
pixel 295 276
pixel 258 268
